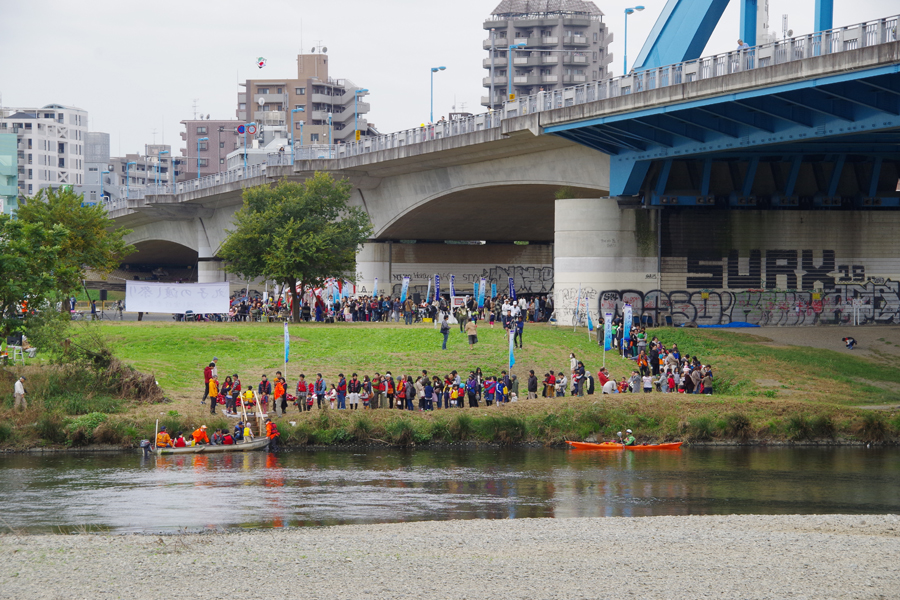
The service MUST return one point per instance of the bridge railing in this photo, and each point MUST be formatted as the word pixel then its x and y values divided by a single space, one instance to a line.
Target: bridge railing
pixel 832 41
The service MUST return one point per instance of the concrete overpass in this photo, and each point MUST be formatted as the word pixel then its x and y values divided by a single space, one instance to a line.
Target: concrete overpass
pixel 682 143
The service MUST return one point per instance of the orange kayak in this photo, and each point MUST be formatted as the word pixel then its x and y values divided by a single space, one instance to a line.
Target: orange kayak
pixel 615 446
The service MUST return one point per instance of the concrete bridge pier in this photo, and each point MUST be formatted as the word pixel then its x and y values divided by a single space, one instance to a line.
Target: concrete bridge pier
pixel 599 246
pixel 373 260
pixel 209 267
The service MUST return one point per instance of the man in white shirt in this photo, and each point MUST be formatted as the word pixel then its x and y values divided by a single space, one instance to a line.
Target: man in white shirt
pixel 20 393
pixel 504 312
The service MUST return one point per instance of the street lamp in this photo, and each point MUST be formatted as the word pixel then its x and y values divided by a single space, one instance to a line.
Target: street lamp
pixel 628 11
pixel 158 163
pixel 433 71
pixel 246 126
pixel 509 68
pixel 296 110
pixel 203 139
pixel 128 179
pixel 356 108
pixel 102 173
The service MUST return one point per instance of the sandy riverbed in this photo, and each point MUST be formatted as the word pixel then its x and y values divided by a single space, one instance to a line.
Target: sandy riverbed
pixel 748 556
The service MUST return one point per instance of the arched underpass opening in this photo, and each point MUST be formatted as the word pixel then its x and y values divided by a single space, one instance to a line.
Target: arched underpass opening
pixel 159 260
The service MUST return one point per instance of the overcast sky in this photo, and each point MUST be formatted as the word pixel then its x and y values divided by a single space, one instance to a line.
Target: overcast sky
pixel 137 67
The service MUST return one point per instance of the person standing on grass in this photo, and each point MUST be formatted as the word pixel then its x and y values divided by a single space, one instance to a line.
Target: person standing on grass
pixel 561 385
pixel 389 388
pixel 532 385
pixel 354 387
pixel 280 401
pixel 341 392
pixel 472 332
pixel 302 394
pixel 264 389
pixel 519 330
pixel 20 393
pixel 207 375
pixel 228 391
pixel 213 394
pixel 377 390
pixel 445 330
pixel 471 389
pixel 320 389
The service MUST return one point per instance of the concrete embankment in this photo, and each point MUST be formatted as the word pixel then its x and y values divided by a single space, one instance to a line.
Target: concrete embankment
pixel 738 556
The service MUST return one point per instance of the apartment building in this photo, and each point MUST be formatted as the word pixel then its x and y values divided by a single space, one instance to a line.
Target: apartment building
pixel 331 107
pixel 117 175
pixel 566 44
pixel 210 155
pixel 50 145
pixel 9 174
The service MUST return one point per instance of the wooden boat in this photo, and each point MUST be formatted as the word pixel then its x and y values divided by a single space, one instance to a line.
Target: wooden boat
pixel 258 444
pixel 617 446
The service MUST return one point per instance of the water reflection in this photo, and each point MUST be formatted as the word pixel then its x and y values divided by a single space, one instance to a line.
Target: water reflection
pixel 125 492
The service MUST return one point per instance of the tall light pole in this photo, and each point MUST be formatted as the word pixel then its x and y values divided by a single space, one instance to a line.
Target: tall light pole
pixel 102 173
pixel 158 164
pixel 628 11
pixel 356 109
pixel 509 68
pixel 203 139
pixel 295 110
pixel 329 135
pixel 128 179
pixel 245 127
pixel 433 71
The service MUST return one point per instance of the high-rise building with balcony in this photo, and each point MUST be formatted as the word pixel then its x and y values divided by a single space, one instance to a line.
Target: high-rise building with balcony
pixel 566 44
pixel 207 156
pixel 268 102
pixel 50 145
pixel 9 174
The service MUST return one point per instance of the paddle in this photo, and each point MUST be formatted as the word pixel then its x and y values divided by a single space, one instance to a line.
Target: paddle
pixel 621 441
pixel 156 434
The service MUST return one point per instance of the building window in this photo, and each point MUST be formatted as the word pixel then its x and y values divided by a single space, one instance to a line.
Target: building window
pixel 93 195
pixel 204 162
pixel 62 163
pixel 300 91
pixel 314 137
pixel 221 161
pixel 201 130
pixel 298 125
pixel 242 106
pixel 262 90
pixel 92 169
pixel 595 57
pixel 221 144
pixel 203 146
pixel 279 91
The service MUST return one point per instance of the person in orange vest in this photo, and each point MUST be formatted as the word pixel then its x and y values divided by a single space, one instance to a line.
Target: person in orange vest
pixel 280 401
pixel 273 435
pixel 200 436
pixel 162 439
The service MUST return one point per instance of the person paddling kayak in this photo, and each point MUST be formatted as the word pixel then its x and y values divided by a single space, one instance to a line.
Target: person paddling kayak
pixel 629 438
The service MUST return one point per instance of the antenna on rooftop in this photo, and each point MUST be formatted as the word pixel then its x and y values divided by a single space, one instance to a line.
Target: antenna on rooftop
pixel 195 108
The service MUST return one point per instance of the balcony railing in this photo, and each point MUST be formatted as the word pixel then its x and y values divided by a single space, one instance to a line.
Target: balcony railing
pixel 840 39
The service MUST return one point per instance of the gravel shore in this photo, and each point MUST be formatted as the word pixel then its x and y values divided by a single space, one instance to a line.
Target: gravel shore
pixel 738 556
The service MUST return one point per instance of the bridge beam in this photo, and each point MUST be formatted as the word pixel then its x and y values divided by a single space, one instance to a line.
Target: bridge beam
pixel 824 15
pixel 681 32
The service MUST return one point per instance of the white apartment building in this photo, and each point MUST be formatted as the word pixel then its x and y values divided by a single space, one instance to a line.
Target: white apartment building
pixel 50 147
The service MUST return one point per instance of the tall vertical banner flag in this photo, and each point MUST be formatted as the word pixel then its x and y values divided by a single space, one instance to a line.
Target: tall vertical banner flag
pixel 404 289
pixel 577 308
pixel 287 343
pixel 335 292
pixel 437 287
pixel 590 322
pixel 452 287
pixel 493 288
pixel 481 293
pixel 375 289
pixel 512 356
pixel 607 331
pixel 428 294
pixel 512 288
pixel 627 318
pixel 475 293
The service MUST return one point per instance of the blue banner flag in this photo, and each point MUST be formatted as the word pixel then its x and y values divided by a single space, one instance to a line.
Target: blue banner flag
pixel 375 289
pixel 607 331
pixel 475 293
pixel 428 294
pixel 512 337
pixel 404 289
pixel 437 287
pixel 452 286
pixel 512 289
pixel 627 318
pixel 287 343
pixel 590 322
pixel 493 288
pixel 335 292
pixel 481 293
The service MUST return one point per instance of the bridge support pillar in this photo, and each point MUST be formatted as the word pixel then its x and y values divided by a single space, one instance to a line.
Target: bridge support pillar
pixel 597 247
pixel 373 260
pixel 209 267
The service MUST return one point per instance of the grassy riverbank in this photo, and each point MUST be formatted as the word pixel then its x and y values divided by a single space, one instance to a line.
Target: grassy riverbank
pixel 764 390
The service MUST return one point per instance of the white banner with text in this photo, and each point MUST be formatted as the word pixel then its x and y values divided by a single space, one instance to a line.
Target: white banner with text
pixel 151 297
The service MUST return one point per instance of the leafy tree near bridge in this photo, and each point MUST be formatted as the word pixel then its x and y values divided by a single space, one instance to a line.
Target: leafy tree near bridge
pixel 92 240
pixel 297 234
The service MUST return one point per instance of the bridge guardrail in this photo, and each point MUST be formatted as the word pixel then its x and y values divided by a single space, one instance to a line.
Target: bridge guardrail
pixel 832 41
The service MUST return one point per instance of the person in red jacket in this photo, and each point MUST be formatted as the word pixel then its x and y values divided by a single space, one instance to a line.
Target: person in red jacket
pixel 207 375
pixel 303 390
pixel 273 435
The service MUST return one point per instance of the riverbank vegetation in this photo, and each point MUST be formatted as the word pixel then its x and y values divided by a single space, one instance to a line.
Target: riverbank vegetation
pixel 765 392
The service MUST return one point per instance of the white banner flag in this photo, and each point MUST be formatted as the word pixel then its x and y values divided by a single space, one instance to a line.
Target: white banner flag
pixel 146 296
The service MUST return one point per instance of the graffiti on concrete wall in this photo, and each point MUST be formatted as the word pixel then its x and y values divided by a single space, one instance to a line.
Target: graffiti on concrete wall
pixel 879 299
pixel 567 299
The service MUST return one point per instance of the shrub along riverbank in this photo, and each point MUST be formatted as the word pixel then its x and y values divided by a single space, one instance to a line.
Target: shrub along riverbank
pixel 807 394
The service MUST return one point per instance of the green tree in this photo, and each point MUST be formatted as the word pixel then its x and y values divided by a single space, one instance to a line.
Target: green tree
pixel 29 265
pixel 297 234
pixel 92 240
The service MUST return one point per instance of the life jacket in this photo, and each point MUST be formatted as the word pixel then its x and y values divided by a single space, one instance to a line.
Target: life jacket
pixel 401 392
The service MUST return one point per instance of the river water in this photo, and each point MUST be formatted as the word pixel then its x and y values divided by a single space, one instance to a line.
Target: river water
pixel 129 493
